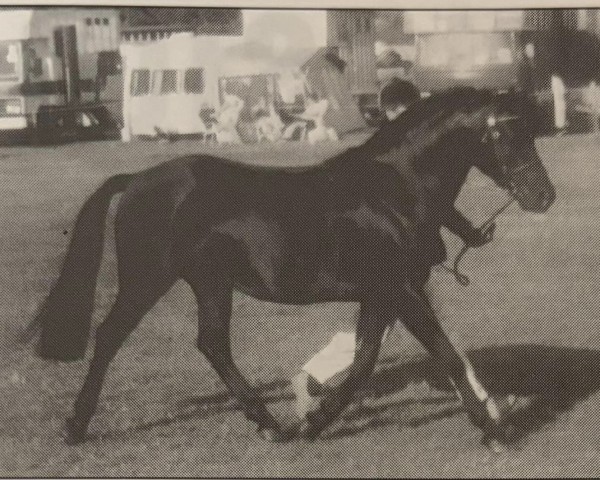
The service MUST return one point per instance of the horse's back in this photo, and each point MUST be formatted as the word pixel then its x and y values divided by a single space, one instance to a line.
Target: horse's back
pixel 174 205
pixel 285 235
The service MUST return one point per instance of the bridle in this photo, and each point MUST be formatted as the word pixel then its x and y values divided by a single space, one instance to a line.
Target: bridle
pixel 492 133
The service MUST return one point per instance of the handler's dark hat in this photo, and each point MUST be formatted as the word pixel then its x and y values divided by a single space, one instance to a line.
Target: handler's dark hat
pixel 398 92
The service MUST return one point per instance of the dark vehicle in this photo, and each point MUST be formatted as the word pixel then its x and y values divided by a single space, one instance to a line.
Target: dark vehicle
pixel 56 68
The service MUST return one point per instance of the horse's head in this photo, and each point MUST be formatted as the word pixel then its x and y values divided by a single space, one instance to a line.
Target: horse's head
pixel 451 131
pixel 508 154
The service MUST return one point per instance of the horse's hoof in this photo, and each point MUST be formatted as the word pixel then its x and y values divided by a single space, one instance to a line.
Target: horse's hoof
pixel 501 438
pixel 73 433
pixel 308 431
pixel 507 434
pixel 495 446
pixel 498 446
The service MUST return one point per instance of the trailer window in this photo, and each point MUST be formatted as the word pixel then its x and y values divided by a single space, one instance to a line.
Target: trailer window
pixel 140 83
pixel 194 80
pixel 9 60
pixel 168 82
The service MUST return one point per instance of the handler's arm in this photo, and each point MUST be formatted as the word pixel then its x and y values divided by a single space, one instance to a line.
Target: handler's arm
pixel 460 226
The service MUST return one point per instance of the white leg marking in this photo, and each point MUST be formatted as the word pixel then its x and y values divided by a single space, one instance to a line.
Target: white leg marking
pixel 456 389
pixel 480 392
pixel 492 409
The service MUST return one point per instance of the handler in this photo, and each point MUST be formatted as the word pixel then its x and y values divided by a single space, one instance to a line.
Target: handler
pixel 338 355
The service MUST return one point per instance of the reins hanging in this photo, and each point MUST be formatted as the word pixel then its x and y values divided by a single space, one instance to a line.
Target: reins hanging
pixel 454 270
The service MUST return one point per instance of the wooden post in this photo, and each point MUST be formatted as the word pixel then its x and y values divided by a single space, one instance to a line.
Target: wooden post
pixel 66 48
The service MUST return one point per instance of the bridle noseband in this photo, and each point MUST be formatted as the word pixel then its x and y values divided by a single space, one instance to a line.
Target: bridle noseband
pixel 493 134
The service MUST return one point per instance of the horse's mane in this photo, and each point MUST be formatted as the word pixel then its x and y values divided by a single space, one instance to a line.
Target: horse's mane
pixel 428 115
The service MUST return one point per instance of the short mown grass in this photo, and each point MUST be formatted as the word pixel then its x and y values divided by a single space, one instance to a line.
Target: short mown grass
pixel 529 321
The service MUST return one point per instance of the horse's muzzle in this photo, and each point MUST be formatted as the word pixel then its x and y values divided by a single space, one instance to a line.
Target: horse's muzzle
pixel 533 190
pixel 537 199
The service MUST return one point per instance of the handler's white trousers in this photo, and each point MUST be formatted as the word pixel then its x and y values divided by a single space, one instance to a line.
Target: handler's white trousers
pixel 336 357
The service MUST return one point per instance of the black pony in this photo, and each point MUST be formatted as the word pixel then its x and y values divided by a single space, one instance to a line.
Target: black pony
pixel 363 226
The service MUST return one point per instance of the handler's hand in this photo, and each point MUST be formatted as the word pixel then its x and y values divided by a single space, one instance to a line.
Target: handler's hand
pixel 479 237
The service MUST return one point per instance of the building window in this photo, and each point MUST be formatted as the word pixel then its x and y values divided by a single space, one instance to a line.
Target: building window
pixel 105 21
pixel 140 83
pixel 97 21
pixel 168 82
pixel 88 21
pixel 194 80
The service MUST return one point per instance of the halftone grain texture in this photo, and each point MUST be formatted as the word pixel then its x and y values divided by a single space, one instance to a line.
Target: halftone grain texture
pixel 528 322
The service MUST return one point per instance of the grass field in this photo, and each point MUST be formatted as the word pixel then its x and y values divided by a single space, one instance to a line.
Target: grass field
pixel 529 322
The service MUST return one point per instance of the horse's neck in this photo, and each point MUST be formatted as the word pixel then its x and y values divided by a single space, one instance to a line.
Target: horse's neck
pixel 432 179
pixel 411 161
pixel 433 145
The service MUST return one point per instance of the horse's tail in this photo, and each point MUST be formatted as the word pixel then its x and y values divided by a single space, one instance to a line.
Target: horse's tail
pixel 63 322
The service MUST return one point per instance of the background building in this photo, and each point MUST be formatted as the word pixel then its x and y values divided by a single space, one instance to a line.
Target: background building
pixel 146 24
pixel 352 33
pixel 44 69
pixel 52 58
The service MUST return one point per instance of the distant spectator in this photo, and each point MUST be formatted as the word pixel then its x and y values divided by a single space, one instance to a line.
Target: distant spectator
pixel 560 106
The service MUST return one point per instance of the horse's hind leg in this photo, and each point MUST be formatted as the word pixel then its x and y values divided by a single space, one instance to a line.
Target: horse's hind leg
pixel 126 313
pixel 421 321
pixel 214 296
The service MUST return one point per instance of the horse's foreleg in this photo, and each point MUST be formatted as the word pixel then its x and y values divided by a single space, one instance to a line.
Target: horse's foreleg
pixel 421 321
pixel 369 331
